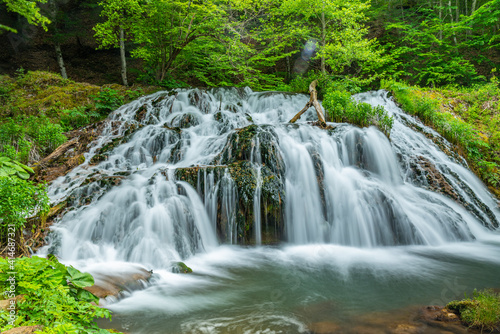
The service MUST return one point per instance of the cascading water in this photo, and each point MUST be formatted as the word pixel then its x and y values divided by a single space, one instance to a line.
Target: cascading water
pixel 175 176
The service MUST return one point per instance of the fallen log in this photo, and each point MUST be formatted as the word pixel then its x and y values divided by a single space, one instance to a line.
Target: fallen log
pixel 313 101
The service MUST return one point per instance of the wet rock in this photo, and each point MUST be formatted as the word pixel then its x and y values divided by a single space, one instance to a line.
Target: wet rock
pixel 435 180
pixel 184 121
pixel 245 143
pixel 406 329
pixel 442 318
pixel 103 153
pixel 23 330
pixel 93 187
pixel 244 181
pixel 200 99
pixel 112 284
pixel 427 175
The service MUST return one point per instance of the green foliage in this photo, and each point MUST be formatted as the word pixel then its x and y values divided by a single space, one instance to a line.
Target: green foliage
pixel 431 60
pixel 19 199
pixel 482 311
pixel 119 14
pixel 27 9
pixel 78 117
pixel 10 167
pixel 342 108
pixel 53 297
pixel 108 100
pixel 22 138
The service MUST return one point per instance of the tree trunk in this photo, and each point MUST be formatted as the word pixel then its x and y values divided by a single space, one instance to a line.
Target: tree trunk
pixel 60 60
pixel 323 40
pixel 473 9
pixel 451 20
pixel 122 56
pixel 441 18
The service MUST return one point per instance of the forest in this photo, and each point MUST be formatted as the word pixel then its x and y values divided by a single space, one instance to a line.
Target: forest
pixel 198 97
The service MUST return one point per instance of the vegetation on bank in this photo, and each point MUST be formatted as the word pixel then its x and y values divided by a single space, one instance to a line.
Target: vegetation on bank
pixel 37 108
pixel 467 117
pixel 49 294
pixel 481 311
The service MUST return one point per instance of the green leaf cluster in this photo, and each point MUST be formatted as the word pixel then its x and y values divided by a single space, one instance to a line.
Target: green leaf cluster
pixel 26 138
pixel 19 199
pixel 53 296
pixel 10 167
pixel 28 9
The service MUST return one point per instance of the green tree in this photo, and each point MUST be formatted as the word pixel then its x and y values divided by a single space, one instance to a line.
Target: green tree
pixel 338 29
pixel 121 16
pixel 166 28
pixel 27 9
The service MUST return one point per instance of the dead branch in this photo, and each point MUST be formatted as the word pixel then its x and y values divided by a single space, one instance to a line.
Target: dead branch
pixel 313 101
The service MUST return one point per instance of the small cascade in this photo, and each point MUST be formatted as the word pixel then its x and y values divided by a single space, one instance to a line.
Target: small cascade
pixel 255 157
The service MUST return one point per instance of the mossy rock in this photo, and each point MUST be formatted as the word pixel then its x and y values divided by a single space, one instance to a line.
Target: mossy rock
pixel 181 268
pixel 241 144
pixel 184 121
pixel 244 176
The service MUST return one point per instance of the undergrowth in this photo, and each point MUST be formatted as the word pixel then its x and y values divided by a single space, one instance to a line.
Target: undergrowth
pixel 37 108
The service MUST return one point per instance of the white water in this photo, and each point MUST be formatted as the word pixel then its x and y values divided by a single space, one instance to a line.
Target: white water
pixel 370 201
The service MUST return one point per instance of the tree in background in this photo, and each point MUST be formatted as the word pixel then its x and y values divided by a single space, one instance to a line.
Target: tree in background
pixel 166 28
pixel 441 42
pixel 122 16
pixel 338 29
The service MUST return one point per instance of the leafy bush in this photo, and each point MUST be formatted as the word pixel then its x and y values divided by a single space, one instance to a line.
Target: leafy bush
pixel 18 200
pixel 53 296
pixel 78 117
pixel 108 100
pixel 342 108
pixel 482 311
pixel 10 167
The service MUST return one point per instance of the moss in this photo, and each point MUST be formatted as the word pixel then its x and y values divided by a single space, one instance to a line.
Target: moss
pixel 180 267
pixel 482 311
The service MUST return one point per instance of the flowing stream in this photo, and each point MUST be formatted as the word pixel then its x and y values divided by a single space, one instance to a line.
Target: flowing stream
pixel 286 226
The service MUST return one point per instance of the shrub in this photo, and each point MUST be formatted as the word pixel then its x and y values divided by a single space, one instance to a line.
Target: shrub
pixel 342 108
pixel 19 199
pixel 53 296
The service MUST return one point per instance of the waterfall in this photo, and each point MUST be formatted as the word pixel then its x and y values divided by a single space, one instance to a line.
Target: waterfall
pixel 178 173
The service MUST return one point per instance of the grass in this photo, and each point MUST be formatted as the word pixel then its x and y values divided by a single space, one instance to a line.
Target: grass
pixel 482 311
